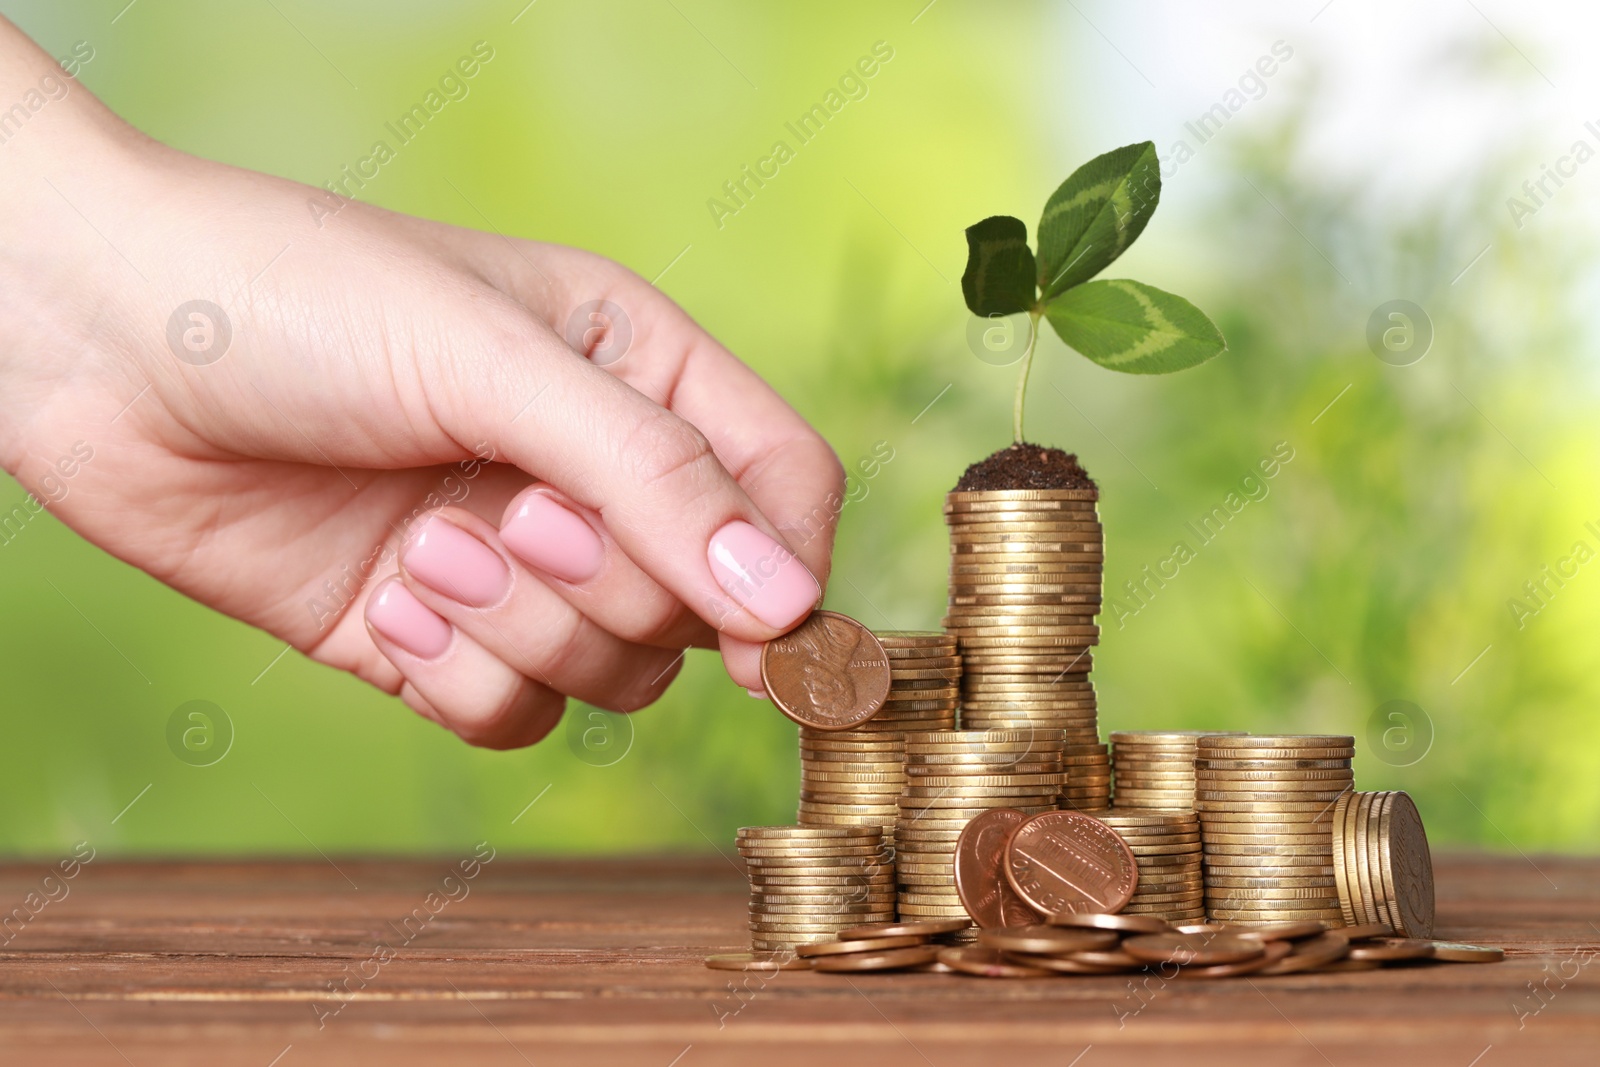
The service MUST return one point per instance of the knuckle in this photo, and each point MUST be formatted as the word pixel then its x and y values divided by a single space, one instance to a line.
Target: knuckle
pixel 664 450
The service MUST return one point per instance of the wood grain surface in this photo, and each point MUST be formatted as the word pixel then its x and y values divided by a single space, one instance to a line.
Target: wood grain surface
pixel 599 962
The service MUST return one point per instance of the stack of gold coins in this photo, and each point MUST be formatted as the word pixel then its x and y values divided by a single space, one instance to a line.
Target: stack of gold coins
pixel 1086 782
pixel 808 881
pixel 851 778
pixel 924 674
pixel 952 776
pixel 1266 807
pixel 1026 569
pixel 1382 864
pixel 1166 846
pixel 1155 768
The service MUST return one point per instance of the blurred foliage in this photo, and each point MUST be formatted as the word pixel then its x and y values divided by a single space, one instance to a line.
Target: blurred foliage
pixel 1377 566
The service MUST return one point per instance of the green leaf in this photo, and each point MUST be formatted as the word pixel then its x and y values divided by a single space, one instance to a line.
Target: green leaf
pixel 999 276
pixel 1095 216
pixel 1135 328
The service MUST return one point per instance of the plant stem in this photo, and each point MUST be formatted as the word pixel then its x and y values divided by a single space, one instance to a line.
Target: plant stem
pixel 1022 379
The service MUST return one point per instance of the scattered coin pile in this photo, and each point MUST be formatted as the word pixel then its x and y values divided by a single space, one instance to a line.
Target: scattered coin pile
pixel 1266 807
pixel 808 881
pixel 1155 768
pixel 1026 569
pixel 1381 862
pixel 1166 846
pixel 952 776
pixel 1088 943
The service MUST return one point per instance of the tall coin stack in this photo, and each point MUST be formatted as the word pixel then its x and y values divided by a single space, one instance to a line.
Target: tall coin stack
pixel 808 881
pixel 855 777
pixel 952 776
pixel 1266 805
pixel 1026 568
pixel 1166 846
pixel 1154 769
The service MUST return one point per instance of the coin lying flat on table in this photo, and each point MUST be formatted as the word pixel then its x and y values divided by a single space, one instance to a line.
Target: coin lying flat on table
pixel 757 961
pixel 893 959
pixel 828 673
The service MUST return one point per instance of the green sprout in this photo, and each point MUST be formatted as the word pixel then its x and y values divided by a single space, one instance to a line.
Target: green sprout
pixel 1091 219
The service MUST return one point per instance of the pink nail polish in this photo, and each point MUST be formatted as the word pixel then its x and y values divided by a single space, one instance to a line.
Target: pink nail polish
pixel 452 562
pixel 553 539
pixel 762 575
pixel 398 615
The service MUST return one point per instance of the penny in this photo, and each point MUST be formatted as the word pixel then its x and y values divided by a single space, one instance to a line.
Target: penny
pixel 871 944
pixel 1127 924
pixel 1271 952
pixel 829 673
pixel 1063 861
pixel 1345 966
pixel 1393 948
pixel 979 876
pixel 1068 964
pixel 987 962
pixel 1313 952
pixel 1459 953
pixel 1186 949
pixel 927 929
pixel 1281 931
pixel 1046 939
pixel 887 960
pixel 757 961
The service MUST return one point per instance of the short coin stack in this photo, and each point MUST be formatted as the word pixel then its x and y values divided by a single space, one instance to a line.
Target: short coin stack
pixel 1266 807
pixel 924 672
pixel 1086 770
pixel 1026 567
pixel 851 778
pixel 1382 863
pixel 1155 768
pixel 808 881
pixel 952 776
pixel 1166 846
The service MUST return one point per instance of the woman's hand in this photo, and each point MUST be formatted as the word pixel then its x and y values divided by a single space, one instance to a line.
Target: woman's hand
pixel 481 472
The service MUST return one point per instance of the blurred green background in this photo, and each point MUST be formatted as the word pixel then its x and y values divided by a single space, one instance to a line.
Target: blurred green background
pixel 1377 567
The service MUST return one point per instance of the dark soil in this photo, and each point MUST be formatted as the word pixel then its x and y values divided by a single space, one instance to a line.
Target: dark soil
pixel 1026 466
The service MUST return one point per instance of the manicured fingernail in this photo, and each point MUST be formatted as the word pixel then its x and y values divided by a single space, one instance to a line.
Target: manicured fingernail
pixel 396 613
pixel 758 694
pixel 450 561
pixel 762 575
pixel 553 539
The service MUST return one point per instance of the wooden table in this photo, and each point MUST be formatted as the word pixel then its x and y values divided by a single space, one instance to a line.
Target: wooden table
pixel 598 962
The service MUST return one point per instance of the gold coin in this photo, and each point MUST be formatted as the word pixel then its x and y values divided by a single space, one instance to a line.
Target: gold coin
pixel 752 961
pixel 909 638
pixel 806 833
pixel 1274 765
pixel 1220 816
pixel 1235 742
pixel 966 497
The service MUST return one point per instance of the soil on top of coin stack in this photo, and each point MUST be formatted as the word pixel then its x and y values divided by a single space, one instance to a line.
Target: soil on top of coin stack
pixel 1025 466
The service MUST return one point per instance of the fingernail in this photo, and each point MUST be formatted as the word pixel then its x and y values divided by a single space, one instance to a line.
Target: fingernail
pixel 450 561
pixel 553 539
pixel 757 694
pixel 396 613
pixel 762 575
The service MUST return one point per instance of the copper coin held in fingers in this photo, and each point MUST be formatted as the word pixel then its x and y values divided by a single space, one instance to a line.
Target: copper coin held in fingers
pixel 980 874
pixel 1064 861
pixel 828 673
